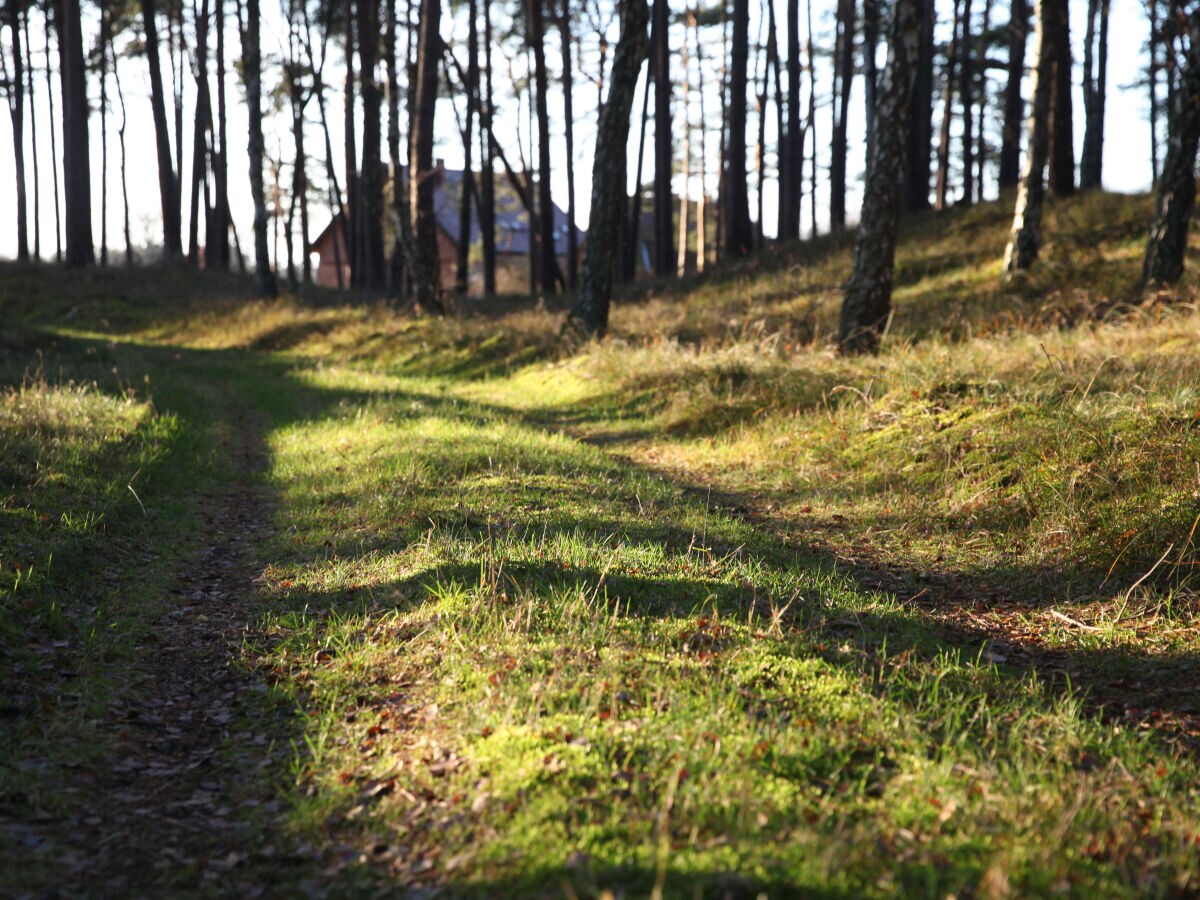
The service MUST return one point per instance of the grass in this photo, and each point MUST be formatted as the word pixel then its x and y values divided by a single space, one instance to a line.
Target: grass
pixel 703 610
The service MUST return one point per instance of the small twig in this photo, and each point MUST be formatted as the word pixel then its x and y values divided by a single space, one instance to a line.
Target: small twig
pixel 138 499
pixel 1074 622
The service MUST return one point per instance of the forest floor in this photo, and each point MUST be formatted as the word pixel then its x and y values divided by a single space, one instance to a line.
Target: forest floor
pixel 313 597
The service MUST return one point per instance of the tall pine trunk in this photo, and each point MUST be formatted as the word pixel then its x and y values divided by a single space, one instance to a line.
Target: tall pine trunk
pixel 33 137
pixel 426 275
pixel 58 230
pixel 1176 195
pixel 16 108
pixel 866 307
pixel 465 200
pixel 917 170
pixel 200 130
pixel 564 30
pixel 943 151
pixel 1095 90
pixel 217 249
pixel 487 179
pixel 738 234
pixel 1026 237
pixel 252 69
pixel 548 261
pixel 1014 103
pixel 1062 128
pixel 966 94
pixel 702 203
pixel 168 189
pixel 660 66
pixel 351 220
pixel 843 82
pixel 870 75
pixel 791 175
pixel 590 314
pixel 371 252
pixel 77 181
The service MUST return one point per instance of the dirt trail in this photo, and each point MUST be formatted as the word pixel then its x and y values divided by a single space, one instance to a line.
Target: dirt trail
pixel 172 809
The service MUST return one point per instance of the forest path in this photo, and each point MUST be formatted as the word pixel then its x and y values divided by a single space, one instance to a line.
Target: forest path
pixel 180 793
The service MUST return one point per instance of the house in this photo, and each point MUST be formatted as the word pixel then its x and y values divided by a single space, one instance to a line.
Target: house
pixel 512 239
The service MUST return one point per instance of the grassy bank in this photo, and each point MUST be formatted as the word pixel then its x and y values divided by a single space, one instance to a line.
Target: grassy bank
pixel 702 609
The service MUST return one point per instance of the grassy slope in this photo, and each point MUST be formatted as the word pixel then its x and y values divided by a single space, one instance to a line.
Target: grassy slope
pixel 780 620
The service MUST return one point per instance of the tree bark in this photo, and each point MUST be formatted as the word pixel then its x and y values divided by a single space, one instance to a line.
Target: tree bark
pixel 58 230
pixel 537 39
pixel 660 68
pixel 702 203
pixel 1095 89
pixel 739 236
pixel 352 219
pixel 564 30
pixel 374 262
pixel 791 188
pixel 1026 236
pixel 1062 129
pixel 843 82
pixel 966 94
pixel 1152 83
pixel 102 48
pixel 870 75
pixel 943 151
pixel 1176 195
pixel 487 180
pixel 77 182
pixel 867 304
pixel 33 138
pixel 812 121
pixel 465 201
pixel 199 143
pixel 168 188
pixel 426 274
pixel 252 68
pixel 590 315
pixel 16 108
pixel 1014 103
pixel 920 119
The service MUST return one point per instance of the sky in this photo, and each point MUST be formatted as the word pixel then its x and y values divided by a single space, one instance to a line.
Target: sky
pixel 1126 147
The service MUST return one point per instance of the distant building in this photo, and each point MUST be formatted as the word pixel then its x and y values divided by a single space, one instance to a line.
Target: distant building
pixel 512 239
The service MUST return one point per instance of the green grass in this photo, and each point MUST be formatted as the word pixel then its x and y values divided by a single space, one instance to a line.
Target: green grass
pixel 704 610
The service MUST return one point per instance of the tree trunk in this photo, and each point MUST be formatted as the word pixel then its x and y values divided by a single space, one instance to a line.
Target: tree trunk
pixel 16 108
pixel 426 275
pixel 124 172
pixel 628 260
pixel 1095 88
pixel 167 181
pixel 1014 104
pixel 981 145
pixel 199 144
pixel 252 69
pixel 870 75
pixel 564 30
pixel 77 183
pixel 58 247
pixel 1062 130
pixel 739 237
pixel 966 94
pixel 920 119
pixel 684 202
pixel 702 203
pixel 217 246
pixel 843 82
pixel 812 120
pixel 350 143
pixel 1176 194
pixel 370 198
pixel 590 315
pixel 487 181
pixel 466 198
pixel 1152 84
pixel 37 199
pixel 102 48
pixel 760 153
pixel 791 174
pixel 537 39
pixel 943 151
pixel 1026 236
pixel 867 304
pixel 776 64
pixel 660 67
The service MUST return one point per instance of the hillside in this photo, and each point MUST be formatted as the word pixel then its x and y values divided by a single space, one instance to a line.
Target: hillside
pixel 316 594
